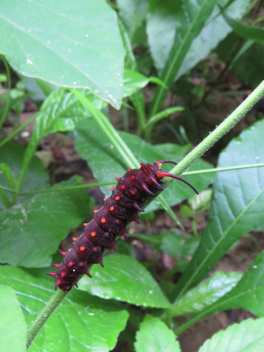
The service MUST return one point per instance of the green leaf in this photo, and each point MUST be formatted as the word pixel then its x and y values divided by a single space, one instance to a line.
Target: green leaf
pixel 31 231
pixel 247 32
pixel 70 44
pixel 190 21
pixel 174 244
pixel 163 20
pixel 248 336
pixel 205 294
pixel 249 66
pixel 133 13
pixel 13 327
pixel 81 322
pixel 130 61
pixel 106 162
pixel 155 336
pixel 178 245
pixel 133 81
pixel 237 207
pixel 248 293
pixel 36 177
pixel 124 278
pixel 153 241
pixel 165 113
pixel 60 112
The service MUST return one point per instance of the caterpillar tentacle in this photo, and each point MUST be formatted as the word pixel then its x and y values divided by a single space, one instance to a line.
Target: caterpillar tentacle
pixel 124 205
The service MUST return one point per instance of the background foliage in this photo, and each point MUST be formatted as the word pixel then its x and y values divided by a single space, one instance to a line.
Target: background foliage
pixel 126 82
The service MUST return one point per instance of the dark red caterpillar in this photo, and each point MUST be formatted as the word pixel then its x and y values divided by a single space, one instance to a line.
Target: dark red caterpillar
pixel 127 199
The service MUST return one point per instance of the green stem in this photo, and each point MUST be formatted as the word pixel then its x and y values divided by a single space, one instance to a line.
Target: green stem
pixel 221 130
pixel 7 104
pixel 8 189
pixel 4 141
pixel 221 169
pixel 44 314
pixel 108 130
pixel 188 324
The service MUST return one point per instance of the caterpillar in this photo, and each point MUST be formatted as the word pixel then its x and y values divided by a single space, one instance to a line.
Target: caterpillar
pixel 123 206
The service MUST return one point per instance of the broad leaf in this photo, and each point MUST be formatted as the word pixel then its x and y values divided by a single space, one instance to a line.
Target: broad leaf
pixel 60 112
pixel 191 17
pixel 134 81
pixel 133 13
pixel 178 245
pixel 13 327
pixel 31 231
pixel 36 177
pixel 206 293
pixel 81 322
pixel 163 20
pixel 68 43
pixel 237 207
pixel 155 336
pixel 248 293
pixel 107 164
pixel 125 279
pixel 248 336
pixel 249 66
pixel 247 32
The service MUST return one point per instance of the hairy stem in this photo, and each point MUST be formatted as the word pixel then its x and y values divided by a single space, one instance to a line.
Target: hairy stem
pixel 220 131
pixel 44 315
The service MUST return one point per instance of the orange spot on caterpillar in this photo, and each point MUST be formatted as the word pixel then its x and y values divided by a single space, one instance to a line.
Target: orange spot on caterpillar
pixel 75 239
pixel 128 169
pixel 116 220
pixel 122 187
pixel 159 165
pixel 85 223
pixel 106 233
pixel 82 248
pixel 103 220
pixel 117 198
pixel 133 192
pixel 93 234
pixel 117 178
pixel 133 177
pixel 95 211
pixel 63 274
pixel 95 248
pixel 70 264
pixel 56 265
pixel 81 264
pixel 112 188
pixel 112 208
pixel 152 168
pixel 105 199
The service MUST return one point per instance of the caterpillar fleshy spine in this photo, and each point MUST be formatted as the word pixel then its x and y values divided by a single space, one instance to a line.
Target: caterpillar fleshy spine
pixel 124 205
